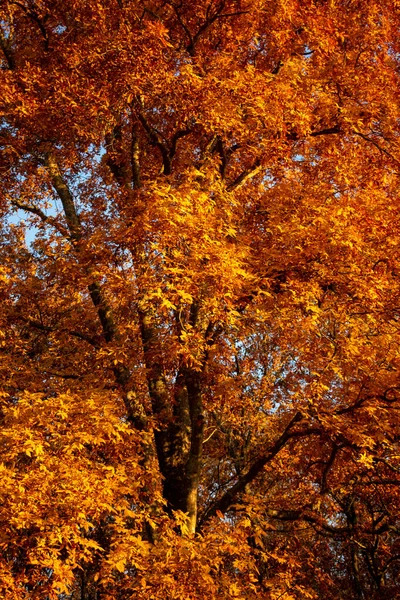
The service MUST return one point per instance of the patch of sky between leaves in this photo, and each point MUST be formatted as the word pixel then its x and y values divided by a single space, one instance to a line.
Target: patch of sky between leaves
pixel 20 217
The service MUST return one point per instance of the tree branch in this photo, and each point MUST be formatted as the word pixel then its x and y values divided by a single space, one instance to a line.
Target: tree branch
pixel 32 14
pixel 328 466
pixel 104 311
pixel 135 158
pixel 327 131
pixel 62 189
pixel 114 158
pixel 209 20
pixel 39 213
pixel 245 175
pixel 48 329
pixel 382 150
pixel 167 151
pixel 5 45
pixel 301 515
pixel 230 495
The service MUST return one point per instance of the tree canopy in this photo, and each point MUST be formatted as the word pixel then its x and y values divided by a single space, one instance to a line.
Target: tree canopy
pixel 199 282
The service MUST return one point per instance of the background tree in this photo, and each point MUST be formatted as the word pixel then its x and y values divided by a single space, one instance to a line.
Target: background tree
pixel 199 280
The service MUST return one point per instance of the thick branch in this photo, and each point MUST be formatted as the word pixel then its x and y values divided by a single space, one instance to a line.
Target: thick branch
pixel 167 436
pixel 328 466
pixel 167 150
pixel 219 147
pixel 72 218
pixel 135 158
pixel 327 131
pixel 193 467
pixel 115 159
pixel 39 213
pixel 230 495
pixel 245 175
pixel 104 311
pixel 156 140
pixel 177 136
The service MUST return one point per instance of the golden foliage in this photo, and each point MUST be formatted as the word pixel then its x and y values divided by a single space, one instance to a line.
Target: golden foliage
pixel 199 282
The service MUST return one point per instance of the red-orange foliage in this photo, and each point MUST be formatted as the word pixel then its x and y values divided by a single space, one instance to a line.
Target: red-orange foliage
pixel 199 282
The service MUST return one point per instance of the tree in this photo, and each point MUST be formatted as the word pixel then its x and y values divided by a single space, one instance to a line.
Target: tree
pixel 199 280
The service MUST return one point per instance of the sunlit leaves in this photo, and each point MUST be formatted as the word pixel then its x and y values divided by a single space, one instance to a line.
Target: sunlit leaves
pixel 201 304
